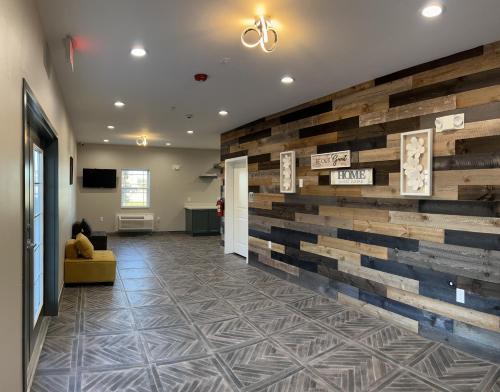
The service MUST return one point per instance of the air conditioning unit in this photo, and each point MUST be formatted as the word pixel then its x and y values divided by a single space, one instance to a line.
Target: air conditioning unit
pixel 135 222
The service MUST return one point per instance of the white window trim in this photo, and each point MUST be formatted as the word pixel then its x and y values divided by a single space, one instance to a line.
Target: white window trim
pixel 148 191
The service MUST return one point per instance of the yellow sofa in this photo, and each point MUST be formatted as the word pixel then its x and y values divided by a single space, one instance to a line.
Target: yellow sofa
pixel 101 268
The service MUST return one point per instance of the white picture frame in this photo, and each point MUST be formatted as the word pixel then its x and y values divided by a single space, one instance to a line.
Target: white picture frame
pixel 287 172
pixel 416 163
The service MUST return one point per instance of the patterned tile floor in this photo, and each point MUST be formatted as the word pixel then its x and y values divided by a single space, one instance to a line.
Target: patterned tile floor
pixel 182 317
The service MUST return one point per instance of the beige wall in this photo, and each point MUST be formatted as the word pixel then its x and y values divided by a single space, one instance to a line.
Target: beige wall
pixel 22 57
pixel 169 189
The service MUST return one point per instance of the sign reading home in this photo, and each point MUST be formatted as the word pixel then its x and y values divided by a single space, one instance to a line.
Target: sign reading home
pixel 331 160
pixel 352 177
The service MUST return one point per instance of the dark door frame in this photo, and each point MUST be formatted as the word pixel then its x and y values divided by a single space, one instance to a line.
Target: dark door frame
pixel 34 117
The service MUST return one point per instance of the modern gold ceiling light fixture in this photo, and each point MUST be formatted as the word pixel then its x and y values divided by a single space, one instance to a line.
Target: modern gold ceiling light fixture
pixel 267 36
pixel 142 141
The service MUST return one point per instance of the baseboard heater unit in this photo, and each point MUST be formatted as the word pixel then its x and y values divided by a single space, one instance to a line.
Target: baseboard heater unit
pixel 135 222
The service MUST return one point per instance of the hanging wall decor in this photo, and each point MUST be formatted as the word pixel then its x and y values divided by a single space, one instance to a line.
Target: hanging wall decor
pixel 451 122
pixel 331 160
pixel 352 177
pixel 416 163
pixel 287 172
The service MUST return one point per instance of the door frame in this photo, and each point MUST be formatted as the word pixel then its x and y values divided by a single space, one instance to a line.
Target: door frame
pixel 229 239
pixel 33 116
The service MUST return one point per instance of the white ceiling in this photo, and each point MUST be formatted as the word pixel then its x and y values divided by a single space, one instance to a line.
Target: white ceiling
pixel 325 44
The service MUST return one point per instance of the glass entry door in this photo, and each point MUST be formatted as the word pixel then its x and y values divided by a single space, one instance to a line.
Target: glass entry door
pixel 37 237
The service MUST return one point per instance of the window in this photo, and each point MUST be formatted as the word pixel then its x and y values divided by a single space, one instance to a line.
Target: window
pixel 135 189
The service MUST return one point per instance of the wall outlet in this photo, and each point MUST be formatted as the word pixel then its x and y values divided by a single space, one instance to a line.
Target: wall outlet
pixel 460 296
pixel 101 218
pixel 269 244
pixel 301 182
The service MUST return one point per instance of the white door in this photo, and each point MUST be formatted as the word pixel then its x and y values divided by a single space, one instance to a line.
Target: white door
pixel 240 186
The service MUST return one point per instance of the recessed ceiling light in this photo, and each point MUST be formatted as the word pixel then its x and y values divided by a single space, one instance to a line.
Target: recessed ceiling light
pixel 223 112
pixel 119 104
pixel 190 132
pixel 287 80
pixel 168 144
pixel 110 127
pixel 431 11
pixel 106 141
pixel 138 52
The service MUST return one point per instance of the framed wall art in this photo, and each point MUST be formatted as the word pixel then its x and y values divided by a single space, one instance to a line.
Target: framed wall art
pixel 352 177
pixel 331 160
pixel 287 172
pixel 416 163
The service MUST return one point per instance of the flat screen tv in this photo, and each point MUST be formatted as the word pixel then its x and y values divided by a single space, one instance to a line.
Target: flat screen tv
pixel 99 178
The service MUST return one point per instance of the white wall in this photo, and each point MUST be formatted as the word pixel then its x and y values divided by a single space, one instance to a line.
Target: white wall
pixel 169 189
pixel 22 57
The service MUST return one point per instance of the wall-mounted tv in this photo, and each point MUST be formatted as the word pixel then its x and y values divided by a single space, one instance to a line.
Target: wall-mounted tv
pixel 99 178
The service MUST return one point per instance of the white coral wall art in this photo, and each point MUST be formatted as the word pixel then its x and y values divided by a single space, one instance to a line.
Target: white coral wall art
pixel 416 163
pixel 287 172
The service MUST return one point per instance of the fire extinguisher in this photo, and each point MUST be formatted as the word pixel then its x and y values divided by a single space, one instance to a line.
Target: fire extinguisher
pixel 220 207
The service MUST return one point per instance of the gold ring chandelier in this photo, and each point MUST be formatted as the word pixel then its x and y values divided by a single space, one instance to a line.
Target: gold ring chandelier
pixel 267 35
pixel 142 141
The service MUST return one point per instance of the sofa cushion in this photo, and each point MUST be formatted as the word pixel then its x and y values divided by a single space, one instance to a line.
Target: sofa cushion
pixel 84 246
pixel 70 250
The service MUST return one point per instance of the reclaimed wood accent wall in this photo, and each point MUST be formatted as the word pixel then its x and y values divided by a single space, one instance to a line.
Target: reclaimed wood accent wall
pixel 401 258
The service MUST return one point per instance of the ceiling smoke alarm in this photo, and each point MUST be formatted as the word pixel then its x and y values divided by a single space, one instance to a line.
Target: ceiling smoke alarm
pixel 201 77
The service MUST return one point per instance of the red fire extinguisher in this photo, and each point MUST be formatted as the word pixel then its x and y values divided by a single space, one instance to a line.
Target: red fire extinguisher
pixel 220 207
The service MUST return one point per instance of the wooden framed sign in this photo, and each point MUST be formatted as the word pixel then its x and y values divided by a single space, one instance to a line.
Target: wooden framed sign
pixel 331 160
pixel 352 177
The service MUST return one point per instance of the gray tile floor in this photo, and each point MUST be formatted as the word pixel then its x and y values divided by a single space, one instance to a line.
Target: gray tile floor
pixel 182 317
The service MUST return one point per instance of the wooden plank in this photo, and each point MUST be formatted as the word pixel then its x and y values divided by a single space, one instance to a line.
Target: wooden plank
pixel 289 269
pixel 263 245
pixel 272 197
pixel 458 69
pixel 469 316
pixel 458 260
pixel 394 318
pixel 328 221
pixel 379 252
pixel 321 190
pixel 434 105
pixel 376 215
pixel 479 96
pixel 262 204
pixel 337 254
pixel 476 224
pixel 442 190
pixel 384 278
pixel 379 154
pixel 400 230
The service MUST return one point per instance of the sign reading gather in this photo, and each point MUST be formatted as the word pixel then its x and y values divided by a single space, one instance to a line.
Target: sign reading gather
pixel 352 177
pixel 331 160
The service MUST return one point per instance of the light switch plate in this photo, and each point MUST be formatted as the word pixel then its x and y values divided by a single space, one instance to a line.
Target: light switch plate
pixel 269 244
pixel 301 182
pixel 460 296
pixel 451 122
